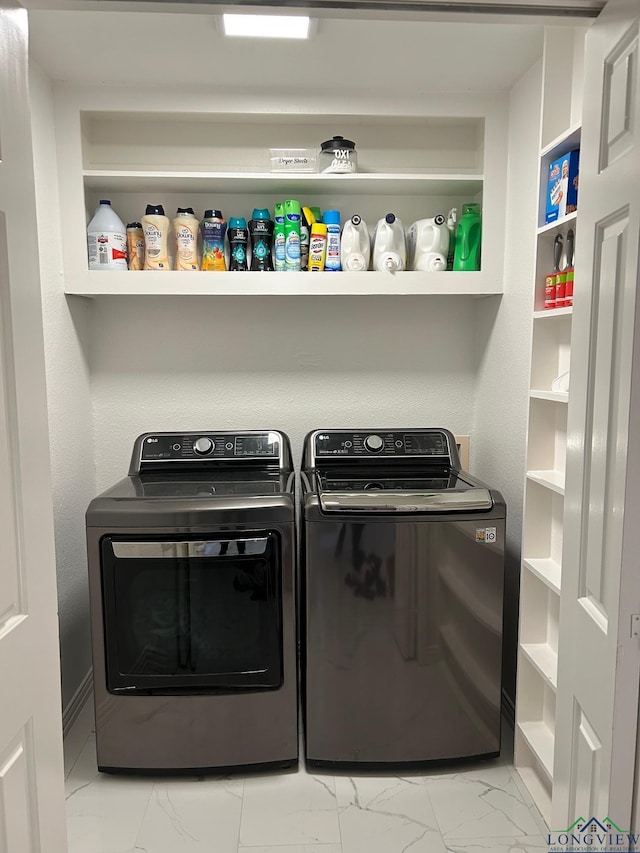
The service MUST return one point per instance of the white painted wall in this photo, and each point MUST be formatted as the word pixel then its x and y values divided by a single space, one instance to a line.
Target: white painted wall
pixel 501 390
pixel 287 363
pixel 66 328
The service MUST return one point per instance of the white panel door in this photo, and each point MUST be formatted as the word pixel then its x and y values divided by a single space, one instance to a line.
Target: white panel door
pixel 599 661
pixel 32 814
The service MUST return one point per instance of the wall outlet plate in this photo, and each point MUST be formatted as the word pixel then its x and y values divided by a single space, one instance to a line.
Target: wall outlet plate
pixel 462 443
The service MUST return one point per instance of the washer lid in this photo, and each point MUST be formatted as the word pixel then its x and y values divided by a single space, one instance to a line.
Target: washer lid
pixel 449 501
pixel 444 492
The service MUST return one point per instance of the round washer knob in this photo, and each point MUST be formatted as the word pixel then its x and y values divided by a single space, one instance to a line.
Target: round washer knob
pixel 203 446
pixel 374 443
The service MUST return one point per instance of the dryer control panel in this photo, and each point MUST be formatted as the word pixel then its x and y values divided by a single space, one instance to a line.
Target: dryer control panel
pixel 155 449
pixel 437 445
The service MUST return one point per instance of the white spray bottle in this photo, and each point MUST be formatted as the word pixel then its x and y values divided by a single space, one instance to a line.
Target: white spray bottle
pixel 452 224
pixel 389 245
pixel 355 245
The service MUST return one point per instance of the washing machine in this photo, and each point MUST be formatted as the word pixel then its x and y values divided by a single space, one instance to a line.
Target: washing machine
pixel 191 562
pixel 402 595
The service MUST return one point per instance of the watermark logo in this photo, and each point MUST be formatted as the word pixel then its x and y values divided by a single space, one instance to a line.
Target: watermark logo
pixel 593 836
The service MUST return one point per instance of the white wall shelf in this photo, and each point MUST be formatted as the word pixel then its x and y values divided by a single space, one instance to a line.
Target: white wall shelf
pixel 552 396
pixel 122 180
pixel 559 224
pixel 545 569
pixel 540 739
pixel 154 283
pixel 553 480
pixel 553 312
pixel 564 142
pixel 545 660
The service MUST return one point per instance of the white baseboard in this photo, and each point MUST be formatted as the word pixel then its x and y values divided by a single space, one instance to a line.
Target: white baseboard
pixel 77 702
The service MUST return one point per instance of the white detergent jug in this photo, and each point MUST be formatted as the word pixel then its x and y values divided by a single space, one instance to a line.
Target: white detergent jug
pixel 428 244
pixel 389 245
pixel 355 245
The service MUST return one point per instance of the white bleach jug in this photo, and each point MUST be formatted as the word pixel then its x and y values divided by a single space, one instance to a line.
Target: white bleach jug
pixel 389 245
pixel 355 245
pixel 429 244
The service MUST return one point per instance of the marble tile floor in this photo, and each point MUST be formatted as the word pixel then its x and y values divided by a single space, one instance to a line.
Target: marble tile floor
pixel 471 808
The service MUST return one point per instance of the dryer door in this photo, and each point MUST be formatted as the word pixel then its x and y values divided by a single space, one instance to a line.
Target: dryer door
pixel 192 614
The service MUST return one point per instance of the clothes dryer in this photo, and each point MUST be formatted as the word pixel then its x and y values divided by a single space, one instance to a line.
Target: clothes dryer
pixel 402 591
pixel 192 592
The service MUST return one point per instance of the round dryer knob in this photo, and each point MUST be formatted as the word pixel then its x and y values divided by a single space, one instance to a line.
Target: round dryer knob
pixel 203 445
pixel 374 443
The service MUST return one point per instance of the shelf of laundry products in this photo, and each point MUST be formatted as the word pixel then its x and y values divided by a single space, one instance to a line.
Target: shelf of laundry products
pixel 92 283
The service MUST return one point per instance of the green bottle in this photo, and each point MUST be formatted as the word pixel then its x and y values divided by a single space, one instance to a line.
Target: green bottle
pixel 468 239
pixel 278 237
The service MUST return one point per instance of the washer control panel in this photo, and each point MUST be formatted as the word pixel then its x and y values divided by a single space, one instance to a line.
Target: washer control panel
pixel 196 447
pixel 382 444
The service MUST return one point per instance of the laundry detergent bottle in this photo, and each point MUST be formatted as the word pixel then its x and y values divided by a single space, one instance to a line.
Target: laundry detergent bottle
pixel 261 236
pixel 156 238
pixel 428 244
pixel 238 239
pixel 355 245
pixel 185 231
pixel 466 255
pixel 214 229
pixel 106 239
pixel 389 245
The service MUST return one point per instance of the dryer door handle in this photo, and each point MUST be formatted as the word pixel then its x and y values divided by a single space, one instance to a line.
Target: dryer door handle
pixel 194 549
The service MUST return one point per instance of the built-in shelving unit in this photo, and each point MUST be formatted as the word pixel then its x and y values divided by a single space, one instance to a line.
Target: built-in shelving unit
pixel 541 576
pixel 415 166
